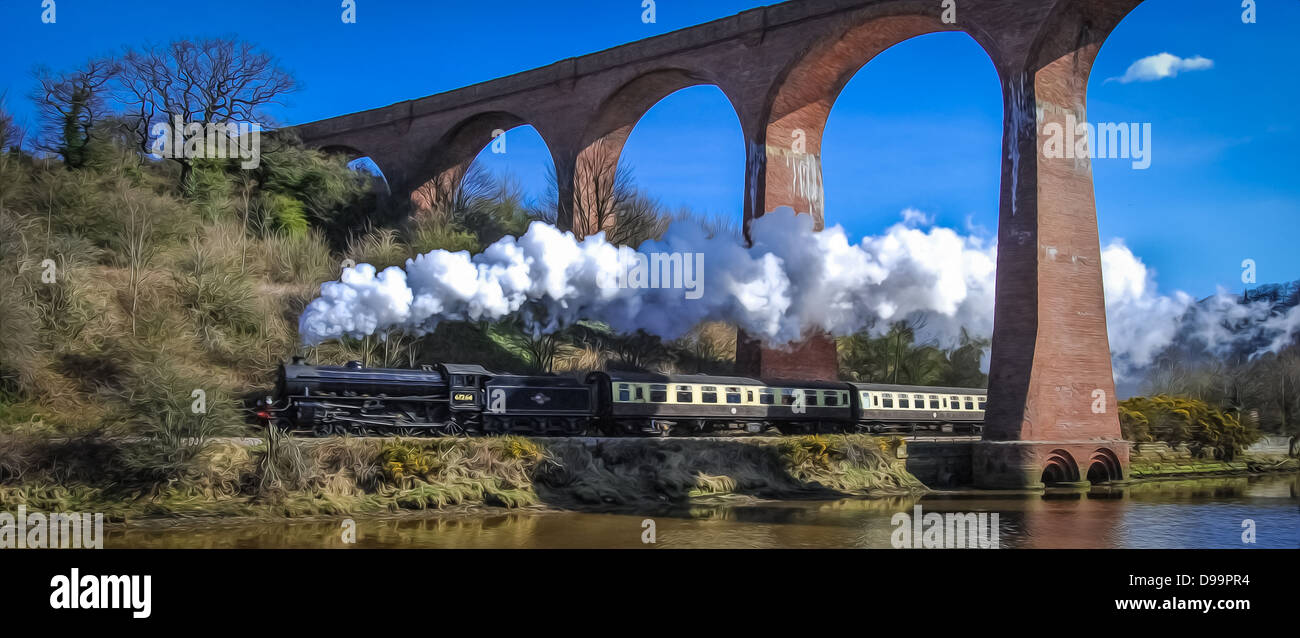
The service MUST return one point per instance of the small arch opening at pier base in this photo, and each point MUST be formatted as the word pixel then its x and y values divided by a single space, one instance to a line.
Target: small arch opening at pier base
pixel 1060 468
pixel 1104 467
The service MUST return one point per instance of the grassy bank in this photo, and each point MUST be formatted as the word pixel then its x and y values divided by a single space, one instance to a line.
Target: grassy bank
pixel 1162 460
pixel 295 477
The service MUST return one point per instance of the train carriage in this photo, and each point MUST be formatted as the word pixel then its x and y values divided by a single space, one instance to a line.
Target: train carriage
pixel 889 407
pixel 659 403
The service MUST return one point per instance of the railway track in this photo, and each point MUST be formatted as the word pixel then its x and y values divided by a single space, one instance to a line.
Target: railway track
pixel 253 441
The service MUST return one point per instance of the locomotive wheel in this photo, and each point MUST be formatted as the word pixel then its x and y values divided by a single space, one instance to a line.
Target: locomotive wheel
pixel 323 429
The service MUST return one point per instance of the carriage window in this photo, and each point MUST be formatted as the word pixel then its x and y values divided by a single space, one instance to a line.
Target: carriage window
pixel 875 400
pixel 733 395
pixel 787 396
pixel 888 399
pixel 685 394
pixel 659 393
pixel 830 397
pixel 970 404
pixel 918 401
pixel 934 402
pixel 640 393
pixel 983 402
pixel 749 396
pixel 954 403
pixel 766 397
pixel 709 394
pixel 624 394
pixel 903 401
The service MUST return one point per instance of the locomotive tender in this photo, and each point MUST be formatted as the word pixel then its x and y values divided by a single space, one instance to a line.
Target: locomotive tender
pixel 468 399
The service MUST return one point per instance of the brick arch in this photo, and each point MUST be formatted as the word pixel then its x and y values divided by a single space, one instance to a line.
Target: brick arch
pixel 440 175
pixel 349 152
pixel 1104 466
pixel 795 112
pixel 1059 466
pixel 596 164
pixel 801 98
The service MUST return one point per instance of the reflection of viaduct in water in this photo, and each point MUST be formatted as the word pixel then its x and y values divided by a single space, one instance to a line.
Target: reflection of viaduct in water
pixel 1052 409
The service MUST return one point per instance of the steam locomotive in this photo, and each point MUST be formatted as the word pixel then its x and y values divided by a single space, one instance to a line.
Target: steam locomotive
pixel 458 399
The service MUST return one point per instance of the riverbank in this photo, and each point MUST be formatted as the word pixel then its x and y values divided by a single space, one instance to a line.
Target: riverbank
pixel 1161 460
pixel 290 477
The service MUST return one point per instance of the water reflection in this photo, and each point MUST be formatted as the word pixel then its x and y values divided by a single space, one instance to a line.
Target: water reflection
pixel 1165 514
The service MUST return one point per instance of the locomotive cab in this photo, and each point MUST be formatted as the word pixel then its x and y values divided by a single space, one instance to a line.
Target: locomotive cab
pixel 465 382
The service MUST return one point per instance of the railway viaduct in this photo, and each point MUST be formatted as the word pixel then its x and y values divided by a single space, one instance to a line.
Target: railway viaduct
pixel 1052 413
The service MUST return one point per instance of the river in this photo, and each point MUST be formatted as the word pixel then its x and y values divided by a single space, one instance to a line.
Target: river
pixel 1194 513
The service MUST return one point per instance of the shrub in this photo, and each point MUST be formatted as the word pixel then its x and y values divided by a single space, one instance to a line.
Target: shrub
pixel 379 247
pixel 288 215
pixel 1183 420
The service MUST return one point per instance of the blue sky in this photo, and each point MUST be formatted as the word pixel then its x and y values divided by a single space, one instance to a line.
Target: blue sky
pixel 1222 186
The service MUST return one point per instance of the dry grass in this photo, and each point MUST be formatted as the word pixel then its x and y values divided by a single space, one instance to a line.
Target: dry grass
pixel 295 477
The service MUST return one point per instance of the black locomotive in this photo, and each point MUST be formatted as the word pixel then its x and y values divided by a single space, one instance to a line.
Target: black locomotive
pixel 454 399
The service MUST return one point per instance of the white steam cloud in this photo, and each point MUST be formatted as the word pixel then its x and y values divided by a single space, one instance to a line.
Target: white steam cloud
pixel 791 282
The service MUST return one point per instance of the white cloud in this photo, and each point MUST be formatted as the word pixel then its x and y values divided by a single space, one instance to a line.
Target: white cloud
pixel 1161 66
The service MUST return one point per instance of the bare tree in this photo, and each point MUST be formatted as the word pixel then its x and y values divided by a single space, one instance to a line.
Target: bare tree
pixel 71 106
pixel 213 80
pixel 605 198
pixel 137 240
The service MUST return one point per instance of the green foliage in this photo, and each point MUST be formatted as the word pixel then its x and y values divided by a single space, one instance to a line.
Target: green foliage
pixel 211 189
pixel 288 215
pixel 895 357
pixel 332 196
pixel 1184 420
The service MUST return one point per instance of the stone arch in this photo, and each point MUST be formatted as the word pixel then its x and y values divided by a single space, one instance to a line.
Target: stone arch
pixel 1059 467
pixel 800 100
pixel 1104 466
pixel 591 181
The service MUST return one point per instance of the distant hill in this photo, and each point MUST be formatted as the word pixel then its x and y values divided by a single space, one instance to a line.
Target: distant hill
pixel 1231 328
pixel 1282 296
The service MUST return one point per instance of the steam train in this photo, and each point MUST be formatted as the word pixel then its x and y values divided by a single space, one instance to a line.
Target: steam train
pixel 458 399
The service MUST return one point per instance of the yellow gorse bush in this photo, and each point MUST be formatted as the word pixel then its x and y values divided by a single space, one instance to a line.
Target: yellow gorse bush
pixel 1183 420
